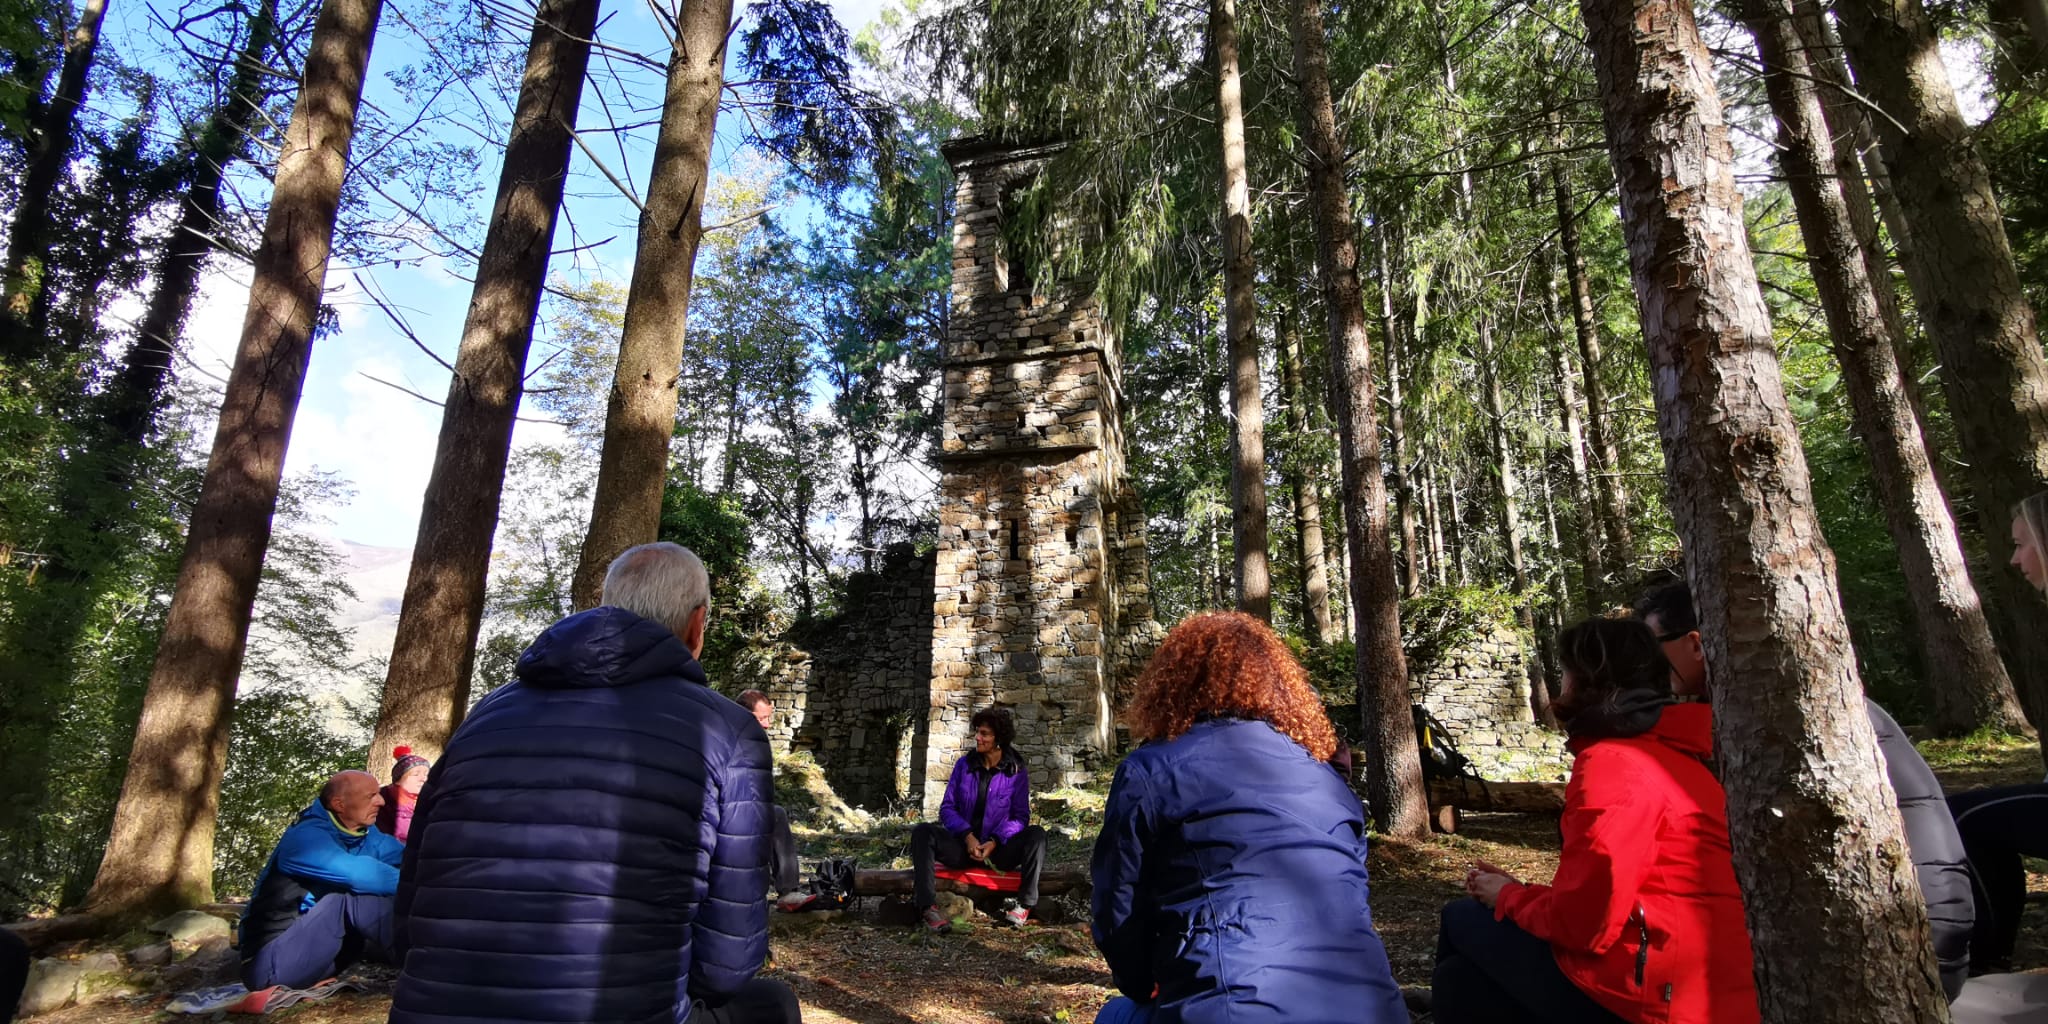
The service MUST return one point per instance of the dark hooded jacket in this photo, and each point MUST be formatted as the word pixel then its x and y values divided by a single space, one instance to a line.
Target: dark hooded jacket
pixel 592 846
pixel 1230 878
pixel 1936 847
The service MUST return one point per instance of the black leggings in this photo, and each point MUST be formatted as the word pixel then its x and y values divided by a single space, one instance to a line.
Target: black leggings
pixel 1493 972
pixel 1999 826
pixel 1024 853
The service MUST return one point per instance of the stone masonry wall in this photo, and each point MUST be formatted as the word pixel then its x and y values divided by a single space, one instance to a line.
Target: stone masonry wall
pixel 1479 690
pixel 854 689
pixel 1040 595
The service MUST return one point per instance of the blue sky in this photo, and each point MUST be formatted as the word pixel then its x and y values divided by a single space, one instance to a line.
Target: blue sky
pixel 378 438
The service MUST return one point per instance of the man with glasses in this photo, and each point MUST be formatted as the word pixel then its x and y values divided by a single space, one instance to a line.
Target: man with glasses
pixel 1931 837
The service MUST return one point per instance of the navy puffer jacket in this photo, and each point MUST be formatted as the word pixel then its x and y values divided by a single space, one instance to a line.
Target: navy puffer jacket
pixel 1230 876
pixel 592 846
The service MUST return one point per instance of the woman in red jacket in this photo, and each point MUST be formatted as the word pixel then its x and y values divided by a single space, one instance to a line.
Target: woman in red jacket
pixel 1643 922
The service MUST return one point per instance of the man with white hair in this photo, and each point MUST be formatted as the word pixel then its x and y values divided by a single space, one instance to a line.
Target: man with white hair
pixel 592 845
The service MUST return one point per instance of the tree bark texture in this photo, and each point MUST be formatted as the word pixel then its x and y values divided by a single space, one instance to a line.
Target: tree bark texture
pixel 1970 689
pixel 1393 337
pixel 138 393
pixel 1308 502
pixel 1393 763
pixel 160 851
pixel 1618 540
pixel 1818 850
pixel 640 417
pixel 1240 273
pixel 426 689
pixel 1968 293
pixel 29 238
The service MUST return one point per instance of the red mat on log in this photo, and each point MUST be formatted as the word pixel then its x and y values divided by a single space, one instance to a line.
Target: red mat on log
pixel 981 878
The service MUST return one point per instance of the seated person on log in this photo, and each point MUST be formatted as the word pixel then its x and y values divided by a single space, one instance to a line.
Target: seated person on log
pixel 1230 880
pixel 2002 824
pixel 985 818
pixel 323 901
pixel 1643 921
pixel 1931 838
pixel 782 859
pixel 408 775
pixel 593 843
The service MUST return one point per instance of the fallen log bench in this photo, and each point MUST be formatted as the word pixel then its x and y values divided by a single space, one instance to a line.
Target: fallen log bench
pixel 1051 882
pixel 1448 797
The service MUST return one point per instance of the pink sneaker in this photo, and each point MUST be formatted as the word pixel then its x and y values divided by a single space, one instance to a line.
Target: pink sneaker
pixel 1015 916
pixel 936 922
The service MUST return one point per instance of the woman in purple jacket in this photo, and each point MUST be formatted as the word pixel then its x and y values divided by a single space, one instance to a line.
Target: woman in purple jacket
pixel 986 818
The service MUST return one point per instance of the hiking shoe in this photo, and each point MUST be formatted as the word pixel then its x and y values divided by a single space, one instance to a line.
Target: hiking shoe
pixel 936 921
pixel 1015 915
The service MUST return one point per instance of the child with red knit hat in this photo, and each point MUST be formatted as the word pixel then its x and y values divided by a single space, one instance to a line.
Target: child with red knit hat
pixel 408 776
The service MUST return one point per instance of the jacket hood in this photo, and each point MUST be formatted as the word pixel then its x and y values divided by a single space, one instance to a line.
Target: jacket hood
pixel 1686 728
pixel 317 813
pixel 1630 712
pixel 606 647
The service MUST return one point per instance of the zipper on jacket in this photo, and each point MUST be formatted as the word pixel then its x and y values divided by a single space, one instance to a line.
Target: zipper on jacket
pixel 1642 923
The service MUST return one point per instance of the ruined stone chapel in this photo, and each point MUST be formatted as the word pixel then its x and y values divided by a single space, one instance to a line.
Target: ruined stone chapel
pixel 1035 596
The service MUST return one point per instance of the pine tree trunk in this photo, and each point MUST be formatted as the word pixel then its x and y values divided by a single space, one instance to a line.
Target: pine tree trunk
pixel 1969 686
pixel 30 236
pixel 1454 526
pixel 1507 491
pixel 1397 434
pixel 640 418
pixel 1968 293
pixel 138 393
pixel 1240 273
pixel 1796 751
pixel 1308 502
pixel 426 688
pixel 1591 549
pixel 1612 511
pixel 160 852
pixel 1432 516
pixel 1393 764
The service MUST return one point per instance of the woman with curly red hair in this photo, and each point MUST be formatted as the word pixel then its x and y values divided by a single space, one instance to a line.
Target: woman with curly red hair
pixel 1230 873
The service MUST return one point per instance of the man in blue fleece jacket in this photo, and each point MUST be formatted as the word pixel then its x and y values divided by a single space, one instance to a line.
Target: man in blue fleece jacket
pixel 323 901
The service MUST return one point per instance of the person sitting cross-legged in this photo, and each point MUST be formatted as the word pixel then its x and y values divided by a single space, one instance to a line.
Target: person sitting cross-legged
pixel 592 844
pixel 323 901
pixel 1230 880
pixel 1939 862
pixel 1642 921
pixel 985 818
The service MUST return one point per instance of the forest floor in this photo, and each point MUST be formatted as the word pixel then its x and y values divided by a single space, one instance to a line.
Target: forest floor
pixel 857 968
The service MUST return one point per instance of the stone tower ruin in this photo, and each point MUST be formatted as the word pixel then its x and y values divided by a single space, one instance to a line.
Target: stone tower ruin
pixel 1041 601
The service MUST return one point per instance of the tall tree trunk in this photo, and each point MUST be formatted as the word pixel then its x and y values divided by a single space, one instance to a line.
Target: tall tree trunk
pixel 97 478
pixel 640 417
pixel 138 393
pixel 1796 750
pixel 426 688
pixel 1507 491
pixel 1393 763
pixel 1454 526
pixel 28 239
pixel 1618 541
pixel 1591 553
pixel 1308 502
pixel 160 852
pixel 1968 292
pixel 1397 434
pixel 1432 517
pixel 1240 273
pixel 1969 686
